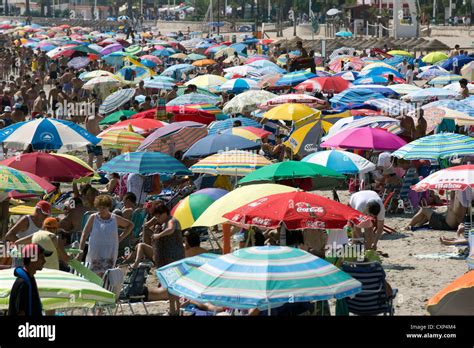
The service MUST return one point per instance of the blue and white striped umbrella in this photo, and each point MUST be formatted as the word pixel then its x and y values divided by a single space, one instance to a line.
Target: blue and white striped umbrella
pixel 239 85
pixel 177 69
pixel 437 146
pixel 432 73
pixel 264 278
pixel 116 100
pixel 47 134
pixel 266 64
pixel 391 107
pixel 342 162
pixel 193 98
pixel 145 163
pixel 445 79
pixel 430 93
pixel 218 126
pixel 158 83
pixel 293 78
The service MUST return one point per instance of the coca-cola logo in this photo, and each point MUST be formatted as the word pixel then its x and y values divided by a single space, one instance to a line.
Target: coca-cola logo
pixel 302 207
pixel 315 224
pixel 310 148
pixel 260 221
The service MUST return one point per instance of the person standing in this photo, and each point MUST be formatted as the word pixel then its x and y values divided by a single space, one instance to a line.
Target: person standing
pixel 92 126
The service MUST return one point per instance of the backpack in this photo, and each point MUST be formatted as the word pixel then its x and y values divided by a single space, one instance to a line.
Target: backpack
pixel 134 284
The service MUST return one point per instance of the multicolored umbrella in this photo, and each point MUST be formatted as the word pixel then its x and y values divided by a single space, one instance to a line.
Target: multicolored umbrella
pixel 239 85
pixel 292 170
pixel 365 138
pixel 445 79
pixel 294 78
pixel 308 100
pixel 78 62
pixel 333 84
pixel 47 134
pixel 467 71
pixel 139 125
pixel 145 163
pixel 432 73
pixel 140 73
pixel 355 96
pixel 247 102
pixel 158 83
pixel 342 162
pixel 115 117
pixel 430 94
pixel 404 88
pixel 290 112
pixel 120 139
pixel 219 142
pixel 235 163
pixel 116 100
pixel 111 49
pixel 437 146
pixel 265 277
pixel 453 178
pixel 207 81
pixel 15 180
pixel 248 132
pixel 190 208
pixel 193 98
pixel 220 126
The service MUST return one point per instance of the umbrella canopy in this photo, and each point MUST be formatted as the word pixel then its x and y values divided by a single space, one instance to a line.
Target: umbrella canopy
pixel 434 57
pixel 430 94
pixel 354 96
pixel 290 112
pixel 111 49
pixel 292 98
pixel 247 101
pixel 400 53
pixel 404 88
pixel 139 125
pixel 220 126
pixel 191 207
pixel 456 61
pixel 296 211
pixel 445 79
pixel 239 85
pixel 215 143
pixel 193 98
pixel 467 71
pixel 432 73
pixel 177 70
pixel 78 62
pixel 235 163
pixel 116 100
pixel 15 180
pixel 236 198
pixel 145 163
pixel 265 277
pixel 332 84
pixel 86 76
pixel 292 170
pixel 58 290
pixel 50 167
pixel 115 117
pixel 204 62
pixel 343 34
pixel 391 107
pixel 437 146
pixel 44 184
pixel 342 162
pixel 453 178
pixel 157 83
pixel 294 78
pixel 121 139
pixel 102 82
pixel 47 134
pixel 207 81
pixel 365 138
pixel 454 299
pixel 248 132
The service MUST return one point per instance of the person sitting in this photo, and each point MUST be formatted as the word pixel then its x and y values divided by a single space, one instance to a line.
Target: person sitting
pixel 113 184
pixel 192 244
pixel 460 240
pixel 29 224
pixel 276 151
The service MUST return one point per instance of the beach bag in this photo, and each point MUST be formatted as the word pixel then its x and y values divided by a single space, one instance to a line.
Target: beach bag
pixel 134 283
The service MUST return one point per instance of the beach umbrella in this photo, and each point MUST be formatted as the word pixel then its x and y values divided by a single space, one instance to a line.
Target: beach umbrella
pixel 134 49
pixel 380 70
pixel 102 82
pixel 201 113
pixel 116 100
pixel 354 96
pixel 290 170
pixel 437 146
pixel 346 51
pixel 265 64
pixel 343 34
pixel 219 142
pixel 380 80
pixel 445 79
pixel 111 49
pixel 58 290
pixel 190 208
pixel 296 211
pixel 182 90
pixel 157 83
pixel 348 75
pixel 45 185
pixel 294 78
pixel 194 56
pixel 456 87
pixel 269 80
pixel 248 132
pixel 177 70
pixel 308 100
pixel 239 85
pixel 467 71
pixel 404 88
pixel 400 53
pixel 178 136
pixel 46 134
pixel 379 65
pixel 454 299
pixel 193 98
pixel 290 112
pixel 336 63
pixel 333 84
pixel 247 101
pixel 456 61
pixel 265 277
pixel 148 63
pixel 115 117
pixel 342 162
pixel 47 166
pixel 151 58
pixel 181 56
pixel 306 136
pixel 140 73
pixel 220 126
pixel 78 62
pixel 453 178
pixel 120 139
pixel 434 57
pixel 139 125
pixel 432 73
pixel 391 107
pixel 19 182
pixel 207 81
pixel 234 163
pixel 145 163
pixel 204 62
pixel 365 138
pixel 89 75
pixel 430 94
pixel 236 198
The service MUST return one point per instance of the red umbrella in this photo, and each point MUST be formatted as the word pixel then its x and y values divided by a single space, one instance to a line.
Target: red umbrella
pixel 45 185
pixel 140 125
pixel 297 211
pixel 47 166
pixel 331 84
pixel 181 113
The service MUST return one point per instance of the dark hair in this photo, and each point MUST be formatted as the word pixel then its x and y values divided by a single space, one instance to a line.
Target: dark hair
pixel 131 197
pixel 373 208
pixel 161 208
pixel 193 238
pixel 463 82
pixel 77 201
pixel 115 175
pixel 259 238
pixel 237 123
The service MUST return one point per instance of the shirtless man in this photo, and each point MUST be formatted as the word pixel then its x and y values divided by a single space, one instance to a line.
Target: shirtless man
pixel 31 95
pixel 40 105
pixel 18 115
pixel 454 216
pixel 77 91
pixel 53 72
pixel 57 96
pixel 42 65
pixel 408 127
pixel 141 90
pixel 66 79
pixel 421 125
pixel 92 126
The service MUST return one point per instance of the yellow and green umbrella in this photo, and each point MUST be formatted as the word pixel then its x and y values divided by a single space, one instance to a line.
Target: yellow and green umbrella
pixel 121 139
pixel 207 81
pixel 434 57
pixel 400 53
pixel 248 132
pixel 290 112
pixel 378 65
pixel 243 195
pixel 15 180
pixel 189 209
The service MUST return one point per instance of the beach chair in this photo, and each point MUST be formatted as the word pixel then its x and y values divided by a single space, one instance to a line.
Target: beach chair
pixel 133 289
pixel 399 200
pixel 113 281
pixel 373 298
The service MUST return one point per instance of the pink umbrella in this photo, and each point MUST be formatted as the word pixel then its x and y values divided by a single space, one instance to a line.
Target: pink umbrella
pixel 365 138
pixel 111 48
pixel 152 58
pixel 78 62
pixel 254 59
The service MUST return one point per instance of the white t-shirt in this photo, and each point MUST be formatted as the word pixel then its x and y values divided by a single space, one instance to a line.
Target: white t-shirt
pixel 409 76
pixel 135 184
pixel 359 201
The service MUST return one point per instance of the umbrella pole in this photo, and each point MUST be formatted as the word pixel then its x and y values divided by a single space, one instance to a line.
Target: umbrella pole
pixel 282 235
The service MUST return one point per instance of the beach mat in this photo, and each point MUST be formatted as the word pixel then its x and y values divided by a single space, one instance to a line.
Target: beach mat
pixel 441 256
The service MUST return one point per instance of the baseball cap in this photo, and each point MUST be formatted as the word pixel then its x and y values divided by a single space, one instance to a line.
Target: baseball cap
pixel 50 223
pixel 44 206
pixel 32 250
pixel 7 109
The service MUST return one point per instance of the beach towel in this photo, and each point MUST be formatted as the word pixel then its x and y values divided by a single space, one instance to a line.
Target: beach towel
pixel 441 256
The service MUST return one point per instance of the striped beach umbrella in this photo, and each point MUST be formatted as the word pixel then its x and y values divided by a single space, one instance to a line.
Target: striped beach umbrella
pixel 342 162
pixel 191 207
pixel 404 88
pixel 193 98
pixel 116 100
pixel 115 117
pixel 120 139
pixel 293 78
pixel 111 49
pixel 145 163
pixel 437 146
pixel 46 134
pixel 391 107
pixel 158 83
pixel 247 101
pixel 235 162
pixel 169 274
pixel 445 79
pixel 265 277
pixel 15 180
pixel 220 126
pixel 239 85
pixel 58 290
pixel 139 125
pixel 134 49
pixel 292 98
pixel 207 81
pixel 248 132
pixel 453 178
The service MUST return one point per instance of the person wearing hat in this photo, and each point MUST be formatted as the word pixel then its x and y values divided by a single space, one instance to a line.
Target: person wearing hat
pixel 7 115
pixel 24 295
pixel 29 224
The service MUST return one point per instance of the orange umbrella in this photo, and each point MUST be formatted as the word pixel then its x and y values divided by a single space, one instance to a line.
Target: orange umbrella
pixel 455 299
pixel 204 62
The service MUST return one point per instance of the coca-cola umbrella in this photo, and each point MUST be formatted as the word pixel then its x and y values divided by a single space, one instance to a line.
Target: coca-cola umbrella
pixel 181 113
pixel 453 178
pixel 296 211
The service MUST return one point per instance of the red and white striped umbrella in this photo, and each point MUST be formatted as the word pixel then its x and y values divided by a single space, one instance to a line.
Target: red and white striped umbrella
pixel 454 178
